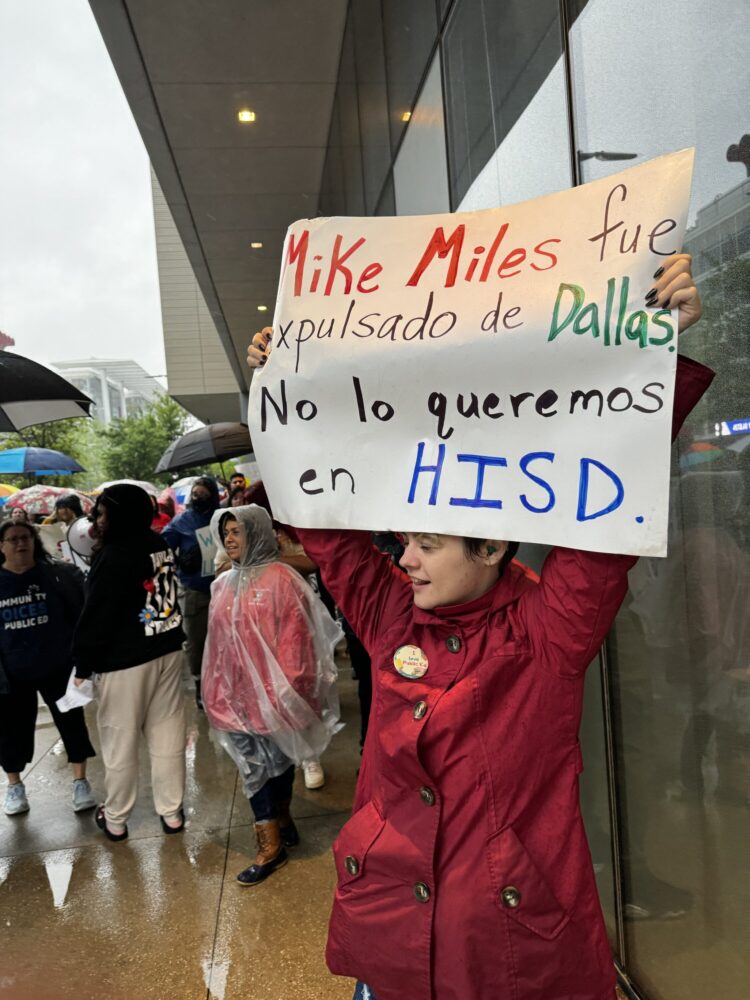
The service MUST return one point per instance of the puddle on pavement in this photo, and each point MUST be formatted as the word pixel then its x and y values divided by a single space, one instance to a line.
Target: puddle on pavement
pixel 215 977
pixel 59 870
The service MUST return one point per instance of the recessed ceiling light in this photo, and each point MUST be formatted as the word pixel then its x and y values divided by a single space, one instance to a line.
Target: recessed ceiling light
pixel 256 246
pixel 262 309
pixel 246 115
pixel 406 116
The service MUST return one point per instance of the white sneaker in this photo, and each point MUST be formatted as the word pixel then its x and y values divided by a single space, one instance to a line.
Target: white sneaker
pixel 83 797
pixel 15 800
pixel 314 775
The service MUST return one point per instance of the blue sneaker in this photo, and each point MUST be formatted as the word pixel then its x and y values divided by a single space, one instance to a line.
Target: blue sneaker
pixel 15 800
pixel 83 797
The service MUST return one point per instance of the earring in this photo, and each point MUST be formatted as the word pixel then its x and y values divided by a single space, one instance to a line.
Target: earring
pixel 491 550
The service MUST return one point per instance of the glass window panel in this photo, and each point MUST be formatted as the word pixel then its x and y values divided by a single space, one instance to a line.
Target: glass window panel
pixel 471 133
pixel 680 649
pixel 410 32
pixel 372 95
pixel 506 101
pixel 351 152
pixel 420 173
pixel 387 203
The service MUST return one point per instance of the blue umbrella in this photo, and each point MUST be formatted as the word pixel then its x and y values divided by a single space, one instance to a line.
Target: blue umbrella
pixel 38 462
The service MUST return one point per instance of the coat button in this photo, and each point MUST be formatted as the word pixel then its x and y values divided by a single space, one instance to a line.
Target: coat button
pixel 453 643
pixel 427 795
pixel 510 897
pixel 420 710
pixel 352 865
pixel 422 892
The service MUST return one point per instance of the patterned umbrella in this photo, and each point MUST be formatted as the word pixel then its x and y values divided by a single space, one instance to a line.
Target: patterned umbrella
pixel 41 499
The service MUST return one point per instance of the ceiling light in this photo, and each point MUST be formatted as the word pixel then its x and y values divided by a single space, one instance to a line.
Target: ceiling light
pixel 246 115
pixel 262 309
pixel 406 116
pixel 256 246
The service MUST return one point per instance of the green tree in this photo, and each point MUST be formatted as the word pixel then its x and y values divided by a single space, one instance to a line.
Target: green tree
pixel 134 445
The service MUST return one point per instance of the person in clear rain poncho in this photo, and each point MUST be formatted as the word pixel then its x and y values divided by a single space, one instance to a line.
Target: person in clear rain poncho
pixel 269 678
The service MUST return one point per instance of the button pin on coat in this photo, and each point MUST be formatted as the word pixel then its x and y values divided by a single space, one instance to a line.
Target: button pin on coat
pixel 411 662
pixel 352 865
pixel 420 710
pixel 422 892
pixel 453 643
pixel 427 795
pixel 511 897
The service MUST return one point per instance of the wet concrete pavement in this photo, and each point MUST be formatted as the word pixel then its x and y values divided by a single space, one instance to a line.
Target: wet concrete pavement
pixel 163 917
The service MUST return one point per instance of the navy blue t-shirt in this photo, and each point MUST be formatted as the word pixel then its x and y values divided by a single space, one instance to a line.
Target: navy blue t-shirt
pixel 35 638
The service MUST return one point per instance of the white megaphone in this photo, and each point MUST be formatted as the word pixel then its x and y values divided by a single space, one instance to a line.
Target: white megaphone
pixel 82 538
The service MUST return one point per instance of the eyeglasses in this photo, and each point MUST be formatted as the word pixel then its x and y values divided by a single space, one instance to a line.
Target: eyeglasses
pixel 17 540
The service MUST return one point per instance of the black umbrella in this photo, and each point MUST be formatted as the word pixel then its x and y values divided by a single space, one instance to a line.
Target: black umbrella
pixel 32 394
pixel 212 443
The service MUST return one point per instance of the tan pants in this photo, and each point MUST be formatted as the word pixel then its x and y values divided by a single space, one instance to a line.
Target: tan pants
pixel 147 700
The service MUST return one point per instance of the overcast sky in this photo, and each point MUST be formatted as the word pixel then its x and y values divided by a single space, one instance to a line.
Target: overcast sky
pixel 78 273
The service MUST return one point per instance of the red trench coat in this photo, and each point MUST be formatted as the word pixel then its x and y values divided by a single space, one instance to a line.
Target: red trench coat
pixel 464 872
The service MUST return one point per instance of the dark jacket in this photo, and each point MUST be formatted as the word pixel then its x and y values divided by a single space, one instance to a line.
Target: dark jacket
pixel 180 536
pixel 131 615
pixel 38 654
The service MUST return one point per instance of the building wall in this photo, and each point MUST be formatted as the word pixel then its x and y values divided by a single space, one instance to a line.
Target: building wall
pixel 466 104
pixel 198 372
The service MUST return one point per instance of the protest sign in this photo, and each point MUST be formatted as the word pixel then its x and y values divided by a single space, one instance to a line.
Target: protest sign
pixel 207 546
pixel 493 374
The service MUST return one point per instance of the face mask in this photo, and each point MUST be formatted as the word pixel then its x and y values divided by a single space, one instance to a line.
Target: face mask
pixel 202 505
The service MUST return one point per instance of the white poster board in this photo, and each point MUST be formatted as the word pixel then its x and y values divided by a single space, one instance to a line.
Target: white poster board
pixel 207 547
pixel 493 374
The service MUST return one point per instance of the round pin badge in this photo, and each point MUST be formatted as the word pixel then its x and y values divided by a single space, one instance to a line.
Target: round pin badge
pixel 411 662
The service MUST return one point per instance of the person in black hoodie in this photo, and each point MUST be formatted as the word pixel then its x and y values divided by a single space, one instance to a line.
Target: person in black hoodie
pixel 130 634
pixel 40 601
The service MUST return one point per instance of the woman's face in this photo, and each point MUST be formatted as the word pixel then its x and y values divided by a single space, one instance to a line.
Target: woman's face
pixel 66 515
pixel 17 546
pixel 234 539
pixel 101 520
pixel 19 515
pixel 441 571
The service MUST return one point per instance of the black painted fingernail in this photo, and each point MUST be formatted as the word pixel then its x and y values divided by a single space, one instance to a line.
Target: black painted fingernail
pixel 263 361
pixel 651 298
pixel 658 274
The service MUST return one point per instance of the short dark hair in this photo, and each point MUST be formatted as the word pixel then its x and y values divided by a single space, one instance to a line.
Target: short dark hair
pixel 237 475
pixel 71 502
pixel 473 548
pixel 40 554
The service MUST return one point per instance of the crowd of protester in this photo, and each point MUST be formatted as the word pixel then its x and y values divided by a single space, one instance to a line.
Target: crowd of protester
pixel 162 591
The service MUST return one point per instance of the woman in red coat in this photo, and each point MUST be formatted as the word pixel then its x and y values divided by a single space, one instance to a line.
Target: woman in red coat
pixel 464 872
pixel 268 676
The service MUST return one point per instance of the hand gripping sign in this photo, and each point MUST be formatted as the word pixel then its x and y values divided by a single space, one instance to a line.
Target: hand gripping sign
pixel 492 374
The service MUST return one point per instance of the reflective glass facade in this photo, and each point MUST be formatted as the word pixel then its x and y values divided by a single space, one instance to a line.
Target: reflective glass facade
pixel 473 104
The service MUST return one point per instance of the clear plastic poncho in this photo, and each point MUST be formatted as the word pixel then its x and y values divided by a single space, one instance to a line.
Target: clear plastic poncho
pixel 269 677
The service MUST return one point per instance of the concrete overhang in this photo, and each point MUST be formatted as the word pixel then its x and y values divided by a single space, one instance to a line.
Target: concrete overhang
pixel 187 67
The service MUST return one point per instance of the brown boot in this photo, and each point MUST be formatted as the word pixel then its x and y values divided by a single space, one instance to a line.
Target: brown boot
pixel 271 854
pixel 287 829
